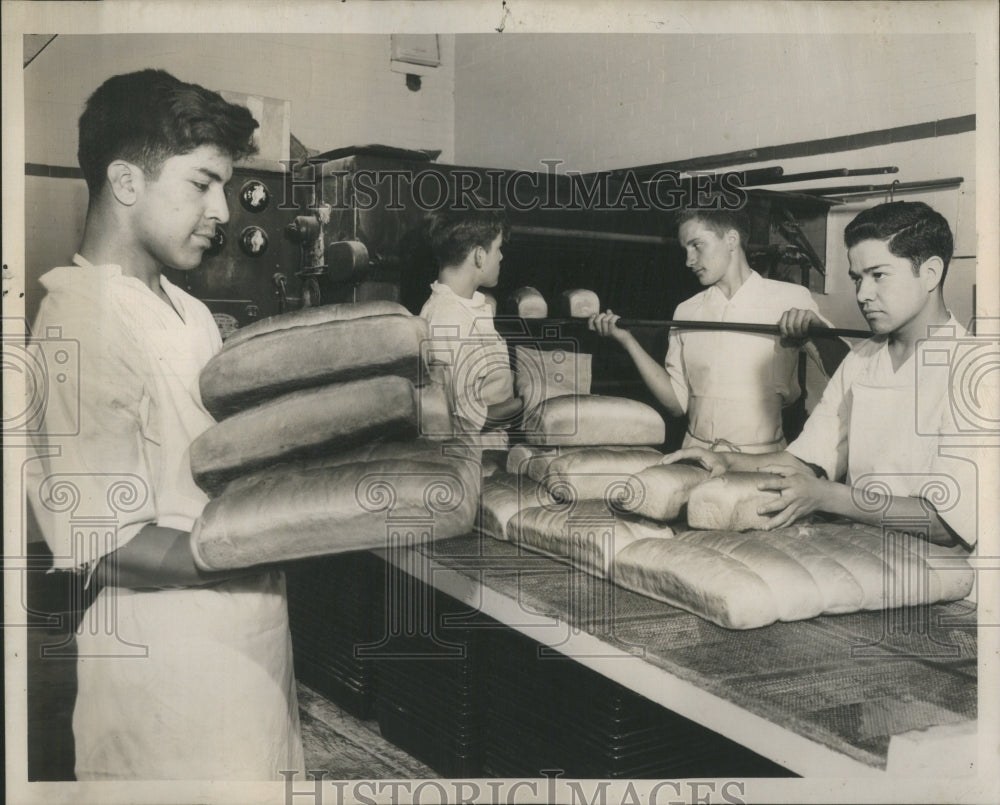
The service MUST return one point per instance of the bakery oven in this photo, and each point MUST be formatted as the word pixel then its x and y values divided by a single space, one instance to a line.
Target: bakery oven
pixel 252 269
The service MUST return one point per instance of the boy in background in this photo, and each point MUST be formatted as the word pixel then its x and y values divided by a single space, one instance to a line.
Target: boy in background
pixel 467 244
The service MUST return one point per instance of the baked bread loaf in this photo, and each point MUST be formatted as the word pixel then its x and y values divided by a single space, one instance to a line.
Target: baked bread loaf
pixel 290 513
pixel 304 424
pixel 661 491
pixel 730 502
pixel 532 460
pixel 593 419
pixel 309 316
pixel 461 458
pixel 587 535
pixel 579 303
pixel 751 579
pixel 528 303
pixel 283 360
pixel 595 473
pixel 503 497
pixel 687 575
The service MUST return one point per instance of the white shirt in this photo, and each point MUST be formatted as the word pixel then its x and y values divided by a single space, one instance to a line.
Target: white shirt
pixel 123 434
pixel 733 385
pixel 888 429
pixel 464 339
pixel 175 684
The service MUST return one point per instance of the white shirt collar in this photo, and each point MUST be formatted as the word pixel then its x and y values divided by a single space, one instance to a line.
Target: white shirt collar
pixel 478 300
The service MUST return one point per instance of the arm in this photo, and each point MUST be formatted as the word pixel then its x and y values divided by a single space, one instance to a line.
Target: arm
pixel 719 462
pixel 801 495
pixel 155 558
pixel 653 374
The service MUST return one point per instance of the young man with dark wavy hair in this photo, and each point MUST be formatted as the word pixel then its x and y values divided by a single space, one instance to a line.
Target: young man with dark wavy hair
pixel 182 675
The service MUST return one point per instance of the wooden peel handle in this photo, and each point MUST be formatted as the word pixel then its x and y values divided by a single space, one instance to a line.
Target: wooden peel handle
pixel 741 327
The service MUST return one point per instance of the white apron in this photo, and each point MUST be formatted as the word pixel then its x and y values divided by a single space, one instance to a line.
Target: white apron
pixel 733 403
pixel 214 699
pixel 177 684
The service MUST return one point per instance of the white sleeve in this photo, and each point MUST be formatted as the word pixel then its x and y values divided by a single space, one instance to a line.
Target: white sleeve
pixel 674 364
pixel 823 440
pixel 89 481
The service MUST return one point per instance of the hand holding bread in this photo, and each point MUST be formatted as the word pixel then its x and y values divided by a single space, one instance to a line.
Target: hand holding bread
pixel 799 494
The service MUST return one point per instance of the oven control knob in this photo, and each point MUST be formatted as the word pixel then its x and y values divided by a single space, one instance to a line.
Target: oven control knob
pixel 254 196
pixel 253 241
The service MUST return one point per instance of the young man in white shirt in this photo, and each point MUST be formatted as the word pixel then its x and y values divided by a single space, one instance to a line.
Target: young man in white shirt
pixel 732 386
pixel 883 419
pixel 182 675
pixel 467 244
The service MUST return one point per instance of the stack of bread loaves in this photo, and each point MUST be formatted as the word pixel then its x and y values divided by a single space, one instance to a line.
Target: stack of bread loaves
pixel 332 437
pixel 558 493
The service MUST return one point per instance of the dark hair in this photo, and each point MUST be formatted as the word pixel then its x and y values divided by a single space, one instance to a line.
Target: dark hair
pixel 149 116
pixel 719 221
pixel 911 229
pixel 455 231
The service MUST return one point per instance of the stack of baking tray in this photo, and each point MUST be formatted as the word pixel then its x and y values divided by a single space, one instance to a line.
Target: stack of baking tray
pixel 547 714
pixel 335 609
pixel 431 685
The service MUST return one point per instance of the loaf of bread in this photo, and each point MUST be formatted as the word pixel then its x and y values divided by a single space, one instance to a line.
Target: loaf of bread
pixel 595 473
pixel 579 303
pixel 503 497
pixel 729 502
pixel 290 513
pixel 293 358
pixel 661 491
pixel 593 419
pixel 461 458
pixel 309 316
pixel 304 424
pixel 689 576
pixel 746 580
pixel 587 535
pixel 528 303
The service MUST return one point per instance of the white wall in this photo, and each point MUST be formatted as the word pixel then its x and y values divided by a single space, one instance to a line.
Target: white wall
pixel 594 101
pixel 918 161
pixel 600 102
pixel 341 88
pixel 605 101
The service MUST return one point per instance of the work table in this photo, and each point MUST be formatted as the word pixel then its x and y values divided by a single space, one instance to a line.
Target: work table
pixel 825 697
